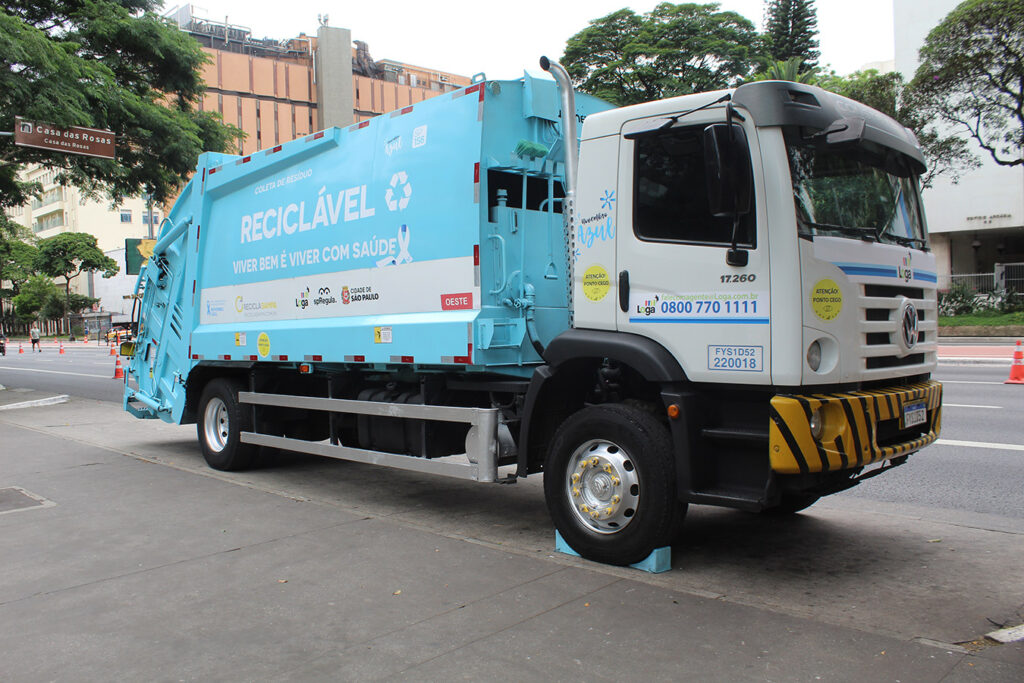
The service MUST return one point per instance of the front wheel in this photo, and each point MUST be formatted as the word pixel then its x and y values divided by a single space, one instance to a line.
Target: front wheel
pixel 221 421
pixel 609 483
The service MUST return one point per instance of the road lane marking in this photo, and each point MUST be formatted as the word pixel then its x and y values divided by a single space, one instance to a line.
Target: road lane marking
pixel 981 444
pixel 54 372
pixel 965 405
pixel 52 400
pixel 965 381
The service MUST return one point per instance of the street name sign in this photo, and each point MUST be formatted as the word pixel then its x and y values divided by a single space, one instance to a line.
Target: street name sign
pixel 73 140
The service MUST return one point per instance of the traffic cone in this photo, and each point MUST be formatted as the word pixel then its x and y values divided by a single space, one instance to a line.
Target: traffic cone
pixel 113 349
pixel 1017 368
pixel 61 352
pixel 118 370
pixel 20 349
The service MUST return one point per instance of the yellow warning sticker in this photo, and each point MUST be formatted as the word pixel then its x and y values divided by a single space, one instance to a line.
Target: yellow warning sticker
pixel 382 335
pixel 596 283
pixel 263 344
pixel 239 338
pixel 827 299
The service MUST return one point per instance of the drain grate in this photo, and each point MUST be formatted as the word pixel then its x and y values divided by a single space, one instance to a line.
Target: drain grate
pixel 15 499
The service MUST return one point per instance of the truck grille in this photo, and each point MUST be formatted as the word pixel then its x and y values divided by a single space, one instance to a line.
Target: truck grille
pixel 880 324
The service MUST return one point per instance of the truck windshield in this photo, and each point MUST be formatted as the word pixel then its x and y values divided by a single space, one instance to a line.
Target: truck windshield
pixel 851 192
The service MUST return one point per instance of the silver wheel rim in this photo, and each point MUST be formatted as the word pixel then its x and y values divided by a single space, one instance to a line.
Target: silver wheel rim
pixel 215 424
pixel 602 486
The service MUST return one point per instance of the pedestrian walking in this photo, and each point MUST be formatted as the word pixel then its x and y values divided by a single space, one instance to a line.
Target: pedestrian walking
pixel 34 334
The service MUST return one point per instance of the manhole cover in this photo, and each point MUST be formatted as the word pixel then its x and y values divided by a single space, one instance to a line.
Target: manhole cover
pixel 14 499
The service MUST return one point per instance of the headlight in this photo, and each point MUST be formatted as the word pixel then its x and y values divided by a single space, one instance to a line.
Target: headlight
pixel 814 355
pixel 817 424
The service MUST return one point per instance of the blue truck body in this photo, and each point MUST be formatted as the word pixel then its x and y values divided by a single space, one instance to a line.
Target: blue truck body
pixel 400 240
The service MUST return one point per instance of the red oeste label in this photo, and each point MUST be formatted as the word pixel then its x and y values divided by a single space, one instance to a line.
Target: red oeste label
pixel 455 302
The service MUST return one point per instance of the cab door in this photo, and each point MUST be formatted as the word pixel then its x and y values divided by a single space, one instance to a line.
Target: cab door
pixel 675 285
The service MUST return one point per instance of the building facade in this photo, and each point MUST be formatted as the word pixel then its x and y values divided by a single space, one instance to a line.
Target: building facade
pixel 977 224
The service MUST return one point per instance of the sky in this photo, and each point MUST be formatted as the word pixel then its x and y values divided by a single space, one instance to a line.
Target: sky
pixel 466 37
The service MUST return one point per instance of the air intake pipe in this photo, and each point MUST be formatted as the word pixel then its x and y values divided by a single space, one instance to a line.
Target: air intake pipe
pixel 570 137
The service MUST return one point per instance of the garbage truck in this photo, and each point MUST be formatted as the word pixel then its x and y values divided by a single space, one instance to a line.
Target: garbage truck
pixel 724 298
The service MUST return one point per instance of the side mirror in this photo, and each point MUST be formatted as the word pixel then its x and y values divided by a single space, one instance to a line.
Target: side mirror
pixel 127 349
pixel 727 170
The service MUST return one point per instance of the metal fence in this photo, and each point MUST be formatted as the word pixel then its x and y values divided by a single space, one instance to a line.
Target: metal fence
pixel 1004 276
pixel 1010 276
pixel 973 282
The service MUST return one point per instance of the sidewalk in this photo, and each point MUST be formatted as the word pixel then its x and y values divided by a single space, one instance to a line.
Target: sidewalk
pixel 149 565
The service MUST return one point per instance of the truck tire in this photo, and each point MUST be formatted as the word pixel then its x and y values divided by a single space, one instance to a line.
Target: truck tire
pixel 609 484
pixel 221 421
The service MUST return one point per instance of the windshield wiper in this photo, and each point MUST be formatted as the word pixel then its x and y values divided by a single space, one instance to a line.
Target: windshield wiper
pixel 866 234
pixel 903 241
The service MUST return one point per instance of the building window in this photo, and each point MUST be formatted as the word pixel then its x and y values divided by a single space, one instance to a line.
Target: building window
pixel 126 215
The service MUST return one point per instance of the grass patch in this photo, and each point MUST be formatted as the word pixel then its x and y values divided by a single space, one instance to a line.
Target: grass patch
pixel 982 319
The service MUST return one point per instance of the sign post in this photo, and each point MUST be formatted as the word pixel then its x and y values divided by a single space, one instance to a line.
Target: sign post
pixel 90 142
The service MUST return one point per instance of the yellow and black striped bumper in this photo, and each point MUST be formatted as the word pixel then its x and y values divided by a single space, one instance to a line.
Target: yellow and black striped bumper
pixel 859 428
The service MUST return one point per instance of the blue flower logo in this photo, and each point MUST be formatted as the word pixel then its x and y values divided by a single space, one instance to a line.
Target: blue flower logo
pixel 608 200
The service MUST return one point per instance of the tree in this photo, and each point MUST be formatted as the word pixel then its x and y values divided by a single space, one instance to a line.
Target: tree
pixel 34 296
pixel 70 253
pixel 108 64
pixel 972 75
pixel 791 27
pixel 626 58
pixel 791 69
pixel 944 154
pixel 17 256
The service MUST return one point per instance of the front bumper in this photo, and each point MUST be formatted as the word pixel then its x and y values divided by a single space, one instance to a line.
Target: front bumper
pixel 860 428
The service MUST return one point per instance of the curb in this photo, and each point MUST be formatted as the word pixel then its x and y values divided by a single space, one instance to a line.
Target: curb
pixel 53 400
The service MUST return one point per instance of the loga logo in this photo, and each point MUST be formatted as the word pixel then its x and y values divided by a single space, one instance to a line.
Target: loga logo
pixel 303 300
pixel 905 270
pixel 648 307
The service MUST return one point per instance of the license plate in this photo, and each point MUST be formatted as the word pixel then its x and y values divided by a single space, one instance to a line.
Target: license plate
pixel 914 414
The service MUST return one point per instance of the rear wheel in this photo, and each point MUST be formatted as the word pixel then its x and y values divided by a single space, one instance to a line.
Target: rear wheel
pixel 609 483
pixel 221 421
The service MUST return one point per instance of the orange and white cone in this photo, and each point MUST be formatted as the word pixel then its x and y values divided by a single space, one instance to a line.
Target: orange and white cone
pixel 113 349
pixel 1017 368
pixel 61 352
pixel 118 370
pixel 21 349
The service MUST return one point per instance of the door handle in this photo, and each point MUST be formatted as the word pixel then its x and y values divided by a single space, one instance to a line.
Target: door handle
pixel 624 290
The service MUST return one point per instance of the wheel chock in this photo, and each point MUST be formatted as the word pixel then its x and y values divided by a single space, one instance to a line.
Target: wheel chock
pixel 660 559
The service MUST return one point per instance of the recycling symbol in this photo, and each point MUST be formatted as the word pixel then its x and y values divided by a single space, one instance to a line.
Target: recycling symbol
pixel 399 186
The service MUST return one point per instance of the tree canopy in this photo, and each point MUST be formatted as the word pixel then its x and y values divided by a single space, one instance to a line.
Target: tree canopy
pixel 68 254
pixel 107 64
pixel 791 29
pixel 972 75
pixel 626 58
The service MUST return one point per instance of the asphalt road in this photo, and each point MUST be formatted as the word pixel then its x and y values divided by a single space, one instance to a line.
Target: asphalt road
pixel 978 409
pixel 81 371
